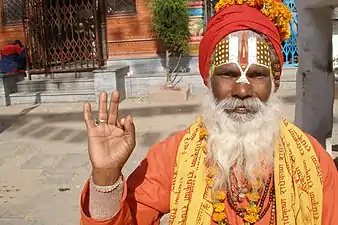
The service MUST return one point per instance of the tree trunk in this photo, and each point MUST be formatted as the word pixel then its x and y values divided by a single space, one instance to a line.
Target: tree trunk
pixel 315 79
pixel 167 70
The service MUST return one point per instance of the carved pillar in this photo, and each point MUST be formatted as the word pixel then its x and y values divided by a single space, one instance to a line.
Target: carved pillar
pixel 102 13
pixel 1 14
pixel 315 80
pixel 196 25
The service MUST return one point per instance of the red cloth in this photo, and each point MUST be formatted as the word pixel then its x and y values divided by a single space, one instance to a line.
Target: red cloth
pixel 11 50
pixel 146 195
pixel 229 20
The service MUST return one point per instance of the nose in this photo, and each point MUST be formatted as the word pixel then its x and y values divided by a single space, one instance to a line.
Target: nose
pixel 242 91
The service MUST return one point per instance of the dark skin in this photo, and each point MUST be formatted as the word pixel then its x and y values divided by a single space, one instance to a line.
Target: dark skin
pixel 223 82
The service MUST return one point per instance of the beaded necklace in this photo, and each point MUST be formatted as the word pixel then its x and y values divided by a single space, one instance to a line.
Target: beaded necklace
pixel 250 214
pixel 256 197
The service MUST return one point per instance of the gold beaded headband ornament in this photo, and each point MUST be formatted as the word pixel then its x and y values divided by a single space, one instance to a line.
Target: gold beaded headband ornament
pixel 270 17
pixel 242 48
pixel 249 49
pixel 278 13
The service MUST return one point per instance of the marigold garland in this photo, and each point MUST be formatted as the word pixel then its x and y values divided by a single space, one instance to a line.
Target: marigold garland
pixel 219 215
pixel 219 195
pixel 277 12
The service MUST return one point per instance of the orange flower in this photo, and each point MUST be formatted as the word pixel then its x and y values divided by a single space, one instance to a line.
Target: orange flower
pixel 209 181
pixel 219 207
pixel 277 12
pixel 219 195
pixel 252 197
pixel 211 171
pixel 203 134
pixel 251 218
pixel 251 3
pixel 218 217
pixel 252 209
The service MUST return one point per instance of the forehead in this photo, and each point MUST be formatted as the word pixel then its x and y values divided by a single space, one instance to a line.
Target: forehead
pixel 244 48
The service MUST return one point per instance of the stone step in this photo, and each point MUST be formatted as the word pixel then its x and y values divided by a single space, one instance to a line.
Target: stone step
pixel 289 74
pixel 52 97
pixel 287 85
pixel 67 75
pixel 55 85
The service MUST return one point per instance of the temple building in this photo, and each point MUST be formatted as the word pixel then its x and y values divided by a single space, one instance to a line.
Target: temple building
pixel 75 35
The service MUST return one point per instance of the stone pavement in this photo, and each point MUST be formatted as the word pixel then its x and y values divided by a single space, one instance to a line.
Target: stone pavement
pixel 44 162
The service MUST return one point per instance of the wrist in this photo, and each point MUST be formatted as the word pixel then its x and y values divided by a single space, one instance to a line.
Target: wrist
pixel 105 177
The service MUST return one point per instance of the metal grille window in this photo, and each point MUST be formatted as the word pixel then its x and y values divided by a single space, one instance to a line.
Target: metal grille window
pixel 12 12
pixel 116 7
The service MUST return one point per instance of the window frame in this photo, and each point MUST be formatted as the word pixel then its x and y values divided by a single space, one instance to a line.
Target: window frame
pixel 6 23
pixel 116 13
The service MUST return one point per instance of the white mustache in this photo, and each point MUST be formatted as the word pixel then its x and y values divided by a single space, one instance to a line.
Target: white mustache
pixel 253 105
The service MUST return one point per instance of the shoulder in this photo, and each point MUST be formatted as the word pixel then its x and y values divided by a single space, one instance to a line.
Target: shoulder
pixel 326 162
pixel 321 153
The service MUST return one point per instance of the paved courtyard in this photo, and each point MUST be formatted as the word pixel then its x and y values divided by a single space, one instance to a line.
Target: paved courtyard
pixel 44 162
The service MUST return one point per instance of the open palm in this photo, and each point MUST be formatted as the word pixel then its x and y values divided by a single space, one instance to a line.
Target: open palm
pixel 110 141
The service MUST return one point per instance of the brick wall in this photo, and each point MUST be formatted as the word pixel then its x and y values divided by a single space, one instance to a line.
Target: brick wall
pixel 130 36
pixel 11 33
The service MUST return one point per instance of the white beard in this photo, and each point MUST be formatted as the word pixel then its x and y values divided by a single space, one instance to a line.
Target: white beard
pixel 247 141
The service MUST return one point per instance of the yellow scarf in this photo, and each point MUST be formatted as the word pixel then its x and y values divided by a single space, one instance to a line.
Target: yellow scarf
pixel 297 177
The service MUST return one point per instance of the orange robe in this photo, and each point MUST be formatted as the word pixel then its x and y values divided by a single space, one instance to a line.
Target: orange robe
pixel 146 195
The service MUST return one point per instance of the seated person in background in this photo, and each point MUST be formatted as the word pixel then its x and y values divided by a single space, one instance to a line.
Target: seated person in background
pixel 13 58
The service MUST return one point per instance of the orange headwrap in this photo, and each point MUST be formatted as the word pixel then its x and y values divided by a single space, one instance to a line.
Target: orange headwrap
pixel 234 18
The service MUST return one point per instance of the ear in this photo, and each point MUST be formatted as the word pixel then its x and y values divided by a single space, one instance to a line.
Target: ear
pixel 274 87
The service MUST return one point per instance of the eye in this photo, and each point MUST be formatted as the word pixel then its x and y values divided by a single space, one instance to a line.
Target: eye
pixel 229 74
pixel 257 75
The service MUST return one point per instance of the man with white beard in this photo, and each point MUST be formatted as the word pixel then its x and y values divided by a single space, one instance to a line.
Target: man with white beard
pixel 241 162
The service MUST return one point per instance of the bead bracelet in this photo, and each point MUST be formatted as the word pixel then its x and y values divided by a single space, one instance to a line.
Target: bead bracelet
pixel 105 189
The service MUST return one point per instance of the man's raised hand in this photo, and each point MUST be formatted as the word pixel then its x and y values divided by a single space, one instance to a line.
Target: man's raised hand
pixel 110 140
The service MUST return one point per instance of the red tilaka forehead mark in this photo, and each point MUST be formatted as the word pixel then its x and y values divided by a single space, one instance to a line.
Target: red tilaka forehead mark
pixel 243 51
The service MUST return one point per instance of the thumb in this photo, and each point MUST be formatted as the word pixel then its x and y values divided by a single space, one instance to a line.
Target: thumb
pixel 129 128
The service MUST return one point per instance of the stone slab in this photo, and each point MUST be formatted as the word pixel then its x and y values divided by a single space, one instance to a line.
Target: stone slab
pixel 110 80
pixel 51 97
pixel 163 95
pixel 55 85
pixel 8 85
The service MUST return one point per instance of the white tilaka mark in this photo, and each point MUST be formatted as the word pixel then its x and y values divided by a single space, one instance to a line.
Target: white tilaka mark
pixel 234 56
pixel 243 79
pixel 252 50
pixel 233 48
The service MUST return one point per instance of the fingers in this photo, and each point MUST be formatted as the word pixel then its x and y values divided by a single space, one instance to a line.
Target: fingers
pixel 120 123
pixel 103 100
pixel 129 128
pixel 88 116
pixel 114 108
